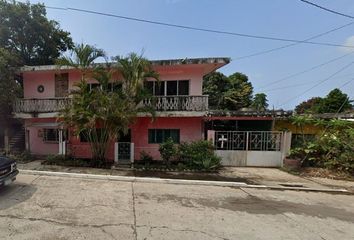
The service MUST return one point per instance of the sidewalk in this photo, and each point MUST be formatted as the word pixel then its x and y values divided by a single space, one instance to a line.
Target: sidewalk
pixel 270 177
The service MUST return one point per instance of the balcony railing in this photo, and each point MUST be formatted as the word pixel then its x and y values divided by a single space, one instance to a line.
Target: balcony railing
pixel 47 105
pixel 160 103
pixel 177 103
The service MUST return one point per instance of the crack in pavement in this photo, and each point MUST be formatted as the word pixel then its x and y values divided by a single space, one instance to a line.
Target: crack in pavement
pixel 181 230
pixel 68 224
pixel 134 213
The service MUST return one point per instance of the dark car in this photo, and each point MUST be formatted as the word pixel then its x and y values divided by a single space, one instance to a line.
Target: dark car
pixel 8 171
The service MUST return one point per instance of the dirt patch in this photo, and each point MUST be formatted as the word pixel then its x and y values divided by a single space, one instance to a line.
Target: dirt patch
pixel 191 176
pixel 254 205
pixel 325 173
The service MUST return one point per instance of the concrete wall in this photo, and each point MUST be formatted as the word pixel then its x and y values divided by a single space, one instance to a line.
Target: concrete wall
pixel 190 130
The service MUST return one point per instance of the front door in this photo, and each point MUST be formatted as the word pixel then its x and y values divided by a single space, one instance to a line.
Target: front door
pixel 124 148
pixel 61 84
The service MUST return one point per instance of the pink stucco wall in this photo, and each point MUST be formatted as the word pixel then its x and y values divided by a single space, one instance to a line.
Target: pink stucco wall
pixel 31 80
pixel 36 144
pixel 190 130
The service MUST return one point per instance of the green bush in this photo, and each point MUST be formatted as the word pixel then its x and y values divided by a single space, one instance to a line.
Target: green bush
pixel 199 155
pixel 24 157
pixel 168 151
pixel 145 158
pixel 333 149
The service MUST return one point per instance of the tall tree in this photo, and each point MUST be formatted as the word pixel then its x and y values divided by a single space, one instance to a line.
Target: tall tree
pixel 230 93
pixel 26 32
pixel 215 85
pixel 311 105
pixel 335 101
pixel 9 87
pixel 260 102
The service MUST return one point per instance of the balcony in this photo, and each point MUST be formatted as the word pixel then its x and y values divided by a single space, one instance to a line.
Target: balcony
pixel 160 103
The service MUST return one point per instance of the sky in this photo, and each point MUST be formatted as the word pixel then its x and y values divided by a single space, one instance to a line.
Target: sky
pixel 290 19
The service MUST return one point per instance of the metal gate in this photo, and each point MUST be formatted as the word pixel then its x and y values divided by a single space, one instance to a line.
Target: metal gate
pixel 249 148
pixel 124 152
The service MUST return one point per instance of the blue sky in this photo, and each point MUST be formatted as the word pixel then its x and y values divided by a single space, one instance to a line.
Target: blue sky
pixel 276 18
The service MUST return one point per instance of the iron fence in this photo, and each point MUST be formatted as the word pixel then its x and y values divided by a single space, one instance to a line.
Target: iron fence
pixel 248 140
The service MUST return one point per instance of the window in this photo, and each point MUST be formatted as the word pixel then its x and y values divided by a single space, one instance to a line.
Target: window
pixel 161 135
pixel 183 87
pixel 50 135
pixel 171 88
pixel 168 88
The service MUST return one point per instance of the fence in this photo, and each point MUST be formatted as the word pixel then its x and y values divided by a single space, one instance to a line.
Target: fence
pixel 251 148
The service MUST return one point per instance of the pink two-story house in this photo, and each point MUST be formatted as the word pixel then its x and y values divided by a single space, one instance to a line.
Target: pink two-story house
pixel 180 104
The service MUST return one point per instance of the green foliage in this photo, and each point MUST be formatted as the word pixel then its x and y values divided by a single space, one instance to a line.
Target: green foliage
pixel 26 32
pixel 24 157
pixel 99 113
pixel 231 93
pixel 312 105
pixel 168 150
pixel 199 155
pixel 260 102
pixel 146 158
pixel 335 101
pixel 9 87
pixel 333 149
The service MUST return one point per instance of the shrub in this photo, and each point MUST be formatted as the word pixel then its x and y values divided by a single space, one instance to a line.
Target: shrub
pixel 199 155
pixel 168 151
pixel 24 157
pixel 333 149
pixel 145 158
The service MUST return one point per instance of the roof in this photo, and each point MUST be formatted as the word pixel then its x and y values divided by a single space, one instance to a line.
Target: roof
pixel 220 61
pixel 247 114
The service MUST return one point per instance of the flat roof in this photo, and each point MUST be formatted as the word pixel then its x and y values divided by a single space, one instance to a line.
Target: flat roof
pixel 221 61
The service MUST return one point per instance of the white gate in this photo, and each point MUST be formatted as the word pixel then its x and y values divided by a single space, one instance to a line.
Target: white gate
pixel 251 148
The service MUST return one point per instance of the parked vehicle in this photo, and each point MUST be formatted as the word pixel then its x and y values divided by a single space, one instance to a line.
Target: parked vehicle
pixel 8 171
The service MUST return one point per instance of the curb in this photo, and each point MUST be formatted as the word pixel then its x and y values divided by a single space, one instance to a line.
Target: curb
pixel 178 181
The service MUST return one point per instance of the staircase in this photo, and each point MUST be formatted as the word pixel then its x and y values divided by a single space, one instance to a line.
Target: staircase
pixel 17 141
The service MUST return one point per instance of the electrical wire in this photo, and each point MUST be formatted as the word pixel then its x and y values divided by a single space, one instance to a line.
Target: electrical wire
pixel 317 84
pixel 196 28
pixel 306 70
pixel 327 9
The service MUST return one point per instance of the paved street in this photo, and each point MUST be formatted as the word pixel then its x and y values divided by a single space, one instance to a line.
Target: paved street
pixel 48 207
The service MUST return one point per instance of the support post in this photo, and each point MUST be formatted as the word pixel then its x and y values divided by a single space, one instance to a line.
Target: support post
pixel 132 152
pixel 116 152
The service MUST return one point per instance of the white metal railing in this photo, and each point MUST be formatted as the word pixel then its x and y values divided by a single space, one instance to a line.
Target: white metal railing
pixel 177 103
pixel 160 103
pixel 45 105
pixel 248 140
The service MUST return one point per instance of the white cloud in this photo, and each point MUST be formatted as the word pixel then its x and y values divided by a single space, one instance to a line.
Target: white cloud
pixel 348 42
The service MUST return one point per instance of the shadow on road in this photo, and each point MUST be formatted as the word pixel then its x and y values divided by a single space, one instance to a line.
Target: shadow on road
pixel 14 194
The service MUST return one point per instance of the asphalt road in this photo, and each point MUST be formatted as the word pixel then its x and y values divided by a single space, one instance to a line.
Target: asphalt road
pixel 48 207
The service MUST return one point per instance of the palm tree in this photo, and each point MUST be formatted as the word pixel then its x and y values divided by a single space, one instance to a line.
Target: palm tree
pixel 135 70
pixel 101 114
pixel 83 57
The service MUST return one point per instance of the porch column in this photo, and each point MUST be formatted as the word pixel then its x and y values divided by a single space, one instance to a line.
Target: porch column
pixel 211 136
pixel 62 144
pixel 132 152
pixel 116 152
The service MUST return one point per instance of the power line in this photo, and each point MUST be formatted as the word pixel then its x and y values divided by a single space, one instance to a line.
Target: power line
pixel 197 28
pixel 306 70
pixel 299 85
pixel 327 9
pixel 318 83
pixel 293 44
